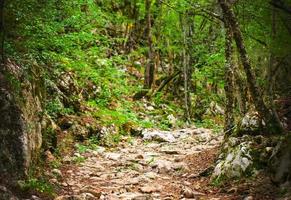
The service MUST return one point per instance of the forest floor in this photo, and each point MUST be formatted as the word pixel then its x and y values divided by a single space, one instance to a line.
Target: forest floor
pixel 140 169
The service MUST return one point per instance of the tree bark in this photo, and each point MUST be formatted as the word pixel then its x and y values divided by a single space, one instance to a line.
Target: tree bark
pixel 186 36
pixel 150 67
pixel 241 90
pixel 270 76
pixel 274 125
pixel 229 83
pixel 2 32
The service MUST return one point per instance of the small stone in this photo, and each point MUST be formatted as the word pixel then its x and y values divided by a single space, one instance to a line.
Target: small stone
pixel 93 192
pixel 57 172
pixel 159 136
pixel 163 166
pixel 53 181
pixel 77 155
pixel 150 188
pixel 67 159
pixel 151 175
pixel 86 196
pixel 134 196
pixel 249 198
pixel 139 157
pixel 153 145
pixel 63 197
pixel 269 149
pixel 133 181
pixel 113 156
pixel 178 159
pixel 33 197
pixel 64 184
pixel 170 151
pixel 49 156
pixel 150 108
pixel 193 175
pixel 187 183
pixel 71 183
pixel 189 193
pixel 100 150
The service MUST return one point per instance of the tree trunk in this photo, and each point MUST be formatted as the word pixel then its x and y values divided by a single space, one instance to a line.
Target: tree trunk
pixel 229 83
pixel 241 90
pixel 150 67
pixel 270 76
pixel 2 32
pixel 274 125
pixel 186 34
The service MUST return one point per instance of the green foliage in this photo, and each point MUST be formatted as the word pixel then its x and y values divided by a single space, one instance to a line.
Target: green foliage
pixel 54 108
pixel 40 185
pixel 211 124
pixel 88 37
pixel 78 159
pixel 77 36
pixel 81 148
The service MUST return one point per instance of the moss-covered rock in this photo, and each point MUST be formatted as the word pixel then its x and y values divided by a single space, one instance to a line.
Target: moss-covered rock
pixel 250 124
pixel 242 157
pixel 21 121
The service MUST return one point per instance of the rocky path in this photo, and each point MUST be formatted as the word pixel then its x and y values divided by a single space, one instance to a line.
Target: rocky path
pixel 161 165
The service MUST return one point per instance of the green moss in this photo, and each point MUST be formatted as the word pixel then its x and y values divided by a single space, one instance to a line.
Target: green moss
pixel 39 185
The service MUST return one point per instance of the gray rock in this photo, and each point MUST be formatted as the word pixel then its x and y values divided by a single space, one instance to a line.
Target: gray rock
pixel 160 136
pixel 151 188
pixel 248 198
pixel 134 196
pixel 151 175
pixel 189 193
pixel 163 166
pixel 33 197
pixel 235 162
pixel 83 196
pixel 251 123
pixel 113 156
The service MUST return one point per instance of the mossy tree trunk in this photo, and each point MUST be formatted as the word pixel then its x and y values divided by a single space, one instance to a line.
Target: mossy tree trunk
pixel 187 27
pixel 2 32
pixel 229 82
pixel 273 123
pixel 150 67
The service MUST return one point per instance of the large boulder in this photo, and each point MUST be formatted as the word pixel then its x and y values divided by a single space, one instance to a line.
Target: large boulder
pixel 250 124
pixel 242 157
pixel 20 127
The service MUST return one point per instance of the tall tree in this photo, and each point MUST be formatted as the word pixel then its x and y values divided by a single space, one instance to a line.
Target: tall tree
pixel 186 32
pixel 229 81
pixel 150 67
pixel 267 114
pixel 2 32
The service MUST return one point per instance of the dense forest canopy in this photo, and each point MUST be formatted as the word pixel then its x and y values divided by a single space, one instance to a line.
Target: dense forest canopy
pixel 101 70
